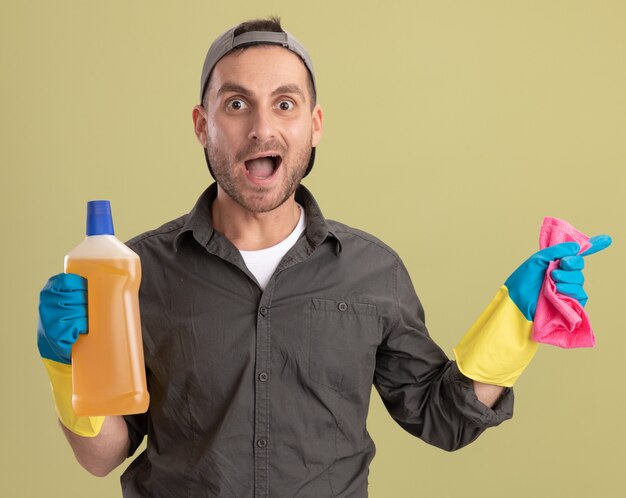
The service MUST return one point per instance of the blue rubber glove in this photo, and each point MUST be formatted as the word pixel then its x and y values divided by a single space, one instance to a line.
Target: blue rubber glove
pixel 525 283
pixel 569 277
pixel 62 316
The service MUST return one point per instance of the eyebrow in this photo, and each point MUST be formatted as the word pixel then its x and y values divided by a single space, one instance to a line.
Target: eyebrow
pixel 290 88
pixel 236 88
pixel 232 87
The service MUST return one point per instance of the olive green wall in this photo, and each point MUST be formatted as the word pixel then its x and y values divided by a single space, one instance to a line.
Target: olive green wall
pixel 451 129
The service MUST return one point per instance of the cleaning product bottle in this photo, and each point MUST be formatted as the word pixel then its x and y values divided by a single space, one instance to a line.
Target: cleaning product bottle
pixel 108 373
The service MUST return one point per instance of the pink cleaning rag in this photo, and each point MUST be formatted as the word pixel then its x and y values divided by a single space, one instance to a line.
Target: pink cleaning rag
pixel 560 320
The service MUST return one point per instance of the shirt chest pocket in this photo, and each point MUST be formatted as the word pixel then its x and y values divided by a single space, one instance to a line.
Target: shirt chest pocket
pixel 343 338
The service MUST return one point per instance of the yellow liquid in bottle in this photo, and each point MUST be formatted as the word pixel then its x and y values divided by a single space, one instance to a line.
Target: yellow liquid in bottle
pixel 108 372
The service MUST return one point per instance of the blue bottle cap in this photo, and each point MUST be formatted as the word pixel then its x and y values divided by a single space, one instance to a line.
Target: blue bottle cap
pixel 99 219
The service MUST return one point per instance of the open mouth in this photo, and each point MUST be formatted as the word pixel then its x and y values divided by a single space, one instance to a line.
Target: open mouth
pixel 263 167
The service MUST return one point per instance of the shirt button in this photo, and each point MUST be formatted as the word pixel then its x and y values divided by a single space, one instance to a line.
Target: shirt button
pixel 263 310
pixel 342 307
pixel 261 443
pixel 263 376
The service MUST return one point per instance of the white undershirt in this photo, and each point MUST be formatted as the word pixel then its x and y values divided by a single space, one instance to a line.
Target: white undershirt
pixel 263 263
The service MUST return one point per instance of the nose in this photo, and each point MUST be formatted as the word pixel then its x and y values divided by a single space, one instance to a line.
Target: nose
pixel 262 125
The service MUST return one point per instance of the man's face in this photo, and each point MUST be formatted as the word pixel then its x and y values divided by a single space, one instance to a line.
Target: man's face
pixel 260 127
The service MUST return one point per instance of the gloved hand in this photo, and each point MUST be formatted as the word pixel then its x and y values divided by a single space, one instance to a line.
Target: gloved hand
pixel 569 277
pixel 62 317
pixel 498 347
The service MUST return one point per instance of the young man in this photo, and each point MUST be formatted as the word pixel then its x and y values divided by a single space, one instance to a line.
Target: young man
pixel 265 325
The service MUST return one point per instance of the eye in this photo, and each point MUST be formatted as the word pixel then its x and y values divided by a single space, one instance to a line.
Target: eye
pixel 236 104
pixel 286 105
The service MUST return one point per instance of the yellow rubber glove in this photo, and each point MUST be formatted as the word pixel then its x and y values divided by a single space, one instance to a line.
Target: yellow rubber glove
pixel 62 317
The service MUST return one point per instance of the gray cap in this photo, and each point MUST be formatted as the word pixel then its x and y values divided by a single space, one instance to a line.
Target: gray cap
pixel 228 41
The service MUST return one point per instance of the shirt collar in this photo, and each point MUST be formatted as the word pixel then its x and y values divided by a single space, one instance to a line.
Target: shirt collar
pixel 198 221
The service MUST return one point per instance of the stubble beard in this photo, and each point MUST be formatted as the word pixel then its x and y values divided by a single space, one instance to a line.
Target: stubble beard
pixel 258 199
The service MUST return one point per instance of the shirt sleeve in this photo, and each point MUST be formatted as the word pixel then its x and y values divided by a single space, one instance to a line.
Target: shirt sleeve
pixel 421 388
pixel 137 429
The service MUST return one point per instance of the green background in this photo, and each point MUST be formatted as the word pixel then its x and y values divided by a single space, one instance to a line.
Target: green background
pixel 451 129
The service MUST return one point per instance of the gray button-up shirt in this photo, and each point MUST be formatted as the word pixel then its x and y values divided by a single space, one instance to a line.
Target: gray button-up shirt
pixel 266 393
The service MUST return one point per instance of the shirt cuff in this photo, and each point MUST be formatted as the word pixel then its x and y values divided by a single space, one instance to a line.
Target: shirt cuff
pixel 462 391
pixel 136 431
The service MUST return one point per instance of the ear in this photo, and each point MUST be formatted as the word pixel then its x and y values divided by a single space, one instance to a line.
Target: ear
pixel 316 129
pixel 199 124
